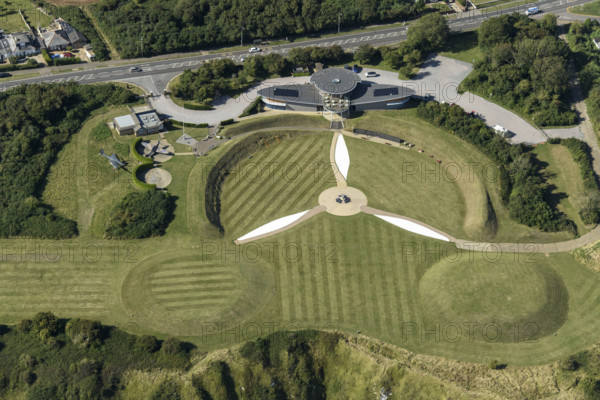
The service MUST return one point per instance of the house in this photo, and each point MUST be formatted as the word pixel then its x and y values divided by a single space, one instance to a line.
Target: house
pixel 141 121
pixel 76 38
pixel 59 35
pixel 596 42
pixel 56 40
pixel 18 44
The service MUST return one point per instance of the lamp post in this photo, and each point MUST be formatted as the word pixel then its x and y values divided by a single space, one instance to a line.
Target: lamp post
pixel 339 21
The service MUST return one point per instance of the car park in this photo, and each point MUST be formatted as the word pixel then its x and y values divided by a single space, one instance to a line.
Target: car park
pixel 254 50
pixel 371 74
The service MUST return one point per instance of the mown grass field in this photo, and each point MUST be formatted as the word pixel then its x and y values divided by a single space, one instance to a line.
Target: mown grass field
pixel 354 273
pixel 563 176
pixel 283 179
pixel 399 181
pixel 464 164
pixel 11 21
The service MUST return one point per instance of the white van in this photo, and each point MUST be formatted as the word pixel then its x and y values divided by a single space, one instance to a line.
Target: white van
pixel 532 10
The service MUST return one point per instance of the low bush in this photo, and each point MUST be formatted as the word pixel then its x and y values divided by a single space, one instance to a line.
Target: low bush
pixel 30 64
pixel 254 108
pixel 227 122
pixel 190 106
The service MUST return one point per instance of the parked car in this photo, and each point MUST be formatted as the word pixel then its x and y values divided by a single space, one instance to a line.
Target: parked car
pixel 254 50
pixel 4 74
pixel 135 69
pixel 242 59
pixel 347 67
pixel 371 74
pixel 356 68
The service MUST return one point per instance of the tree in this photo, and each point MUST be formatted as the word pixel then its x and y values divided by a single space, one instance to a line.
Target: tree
pixel 365 53
pixel 428 33
pixel 148 343
pixel 172 346
pixel 45 324
pixel 495 30
pixel 84 332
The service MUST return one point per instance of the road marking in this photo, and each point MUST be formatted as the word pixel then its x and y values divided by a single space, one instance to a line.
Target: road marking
pixel 379 36
pixel 88 76
pixel 338 42
pixel 325 44
pixel 364 38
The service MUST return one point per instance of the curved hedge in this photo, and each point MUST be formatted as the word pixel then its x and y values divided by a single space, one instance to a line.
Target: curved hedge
pixel 145 163
pixel 220 171
pixel 137 181
pixel 138 156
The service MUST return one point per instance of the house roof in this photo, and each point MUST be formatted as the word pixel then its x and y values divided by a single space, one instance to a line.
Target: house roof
pixel 364 93
pixel 125 122
pixel 298 94
pixel 149 119
pixel 55 38
pixel 335 80
pixel 75 35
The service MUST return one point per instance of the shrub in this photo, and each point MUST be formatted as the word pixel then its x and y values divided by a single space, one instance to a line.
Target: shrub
pixel 24 325
pixel 203 106
pixel 569 364
pixel 227 122
pixel 138 170
pixel 590 388
pixel 28 377
pixel 84 332
pixel 140 215
pixel 45 324
pixel 255 107
pixel 494 364
pixel 148 343
pixel 172 346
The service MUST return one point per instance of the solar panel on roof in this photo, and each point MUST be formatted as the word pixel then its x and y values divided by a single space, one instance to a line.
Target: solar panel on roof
pixel 385 92
pixel 285 92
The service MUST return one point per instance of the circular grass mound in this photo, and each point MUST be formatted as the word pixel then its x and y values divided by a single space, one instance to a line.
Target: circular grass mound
pixel 505 300
pixel 182 293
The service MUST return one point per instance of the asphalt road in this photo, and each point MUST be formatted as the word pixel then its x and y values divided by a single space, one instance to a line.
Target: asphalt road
pixel 163 69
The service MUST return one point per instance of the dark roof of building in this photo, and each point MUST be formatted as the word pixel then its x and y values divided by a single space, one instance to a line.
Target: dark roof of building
pixel 335 80
pixel 299 94
pixel 373 93
pixel 75 35
pixel 55 38
pixel 363 94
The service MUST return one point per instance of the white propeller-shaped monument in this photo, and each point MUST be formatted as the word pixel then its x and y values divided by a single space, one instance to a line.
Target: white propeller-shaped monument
pixel 342 200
